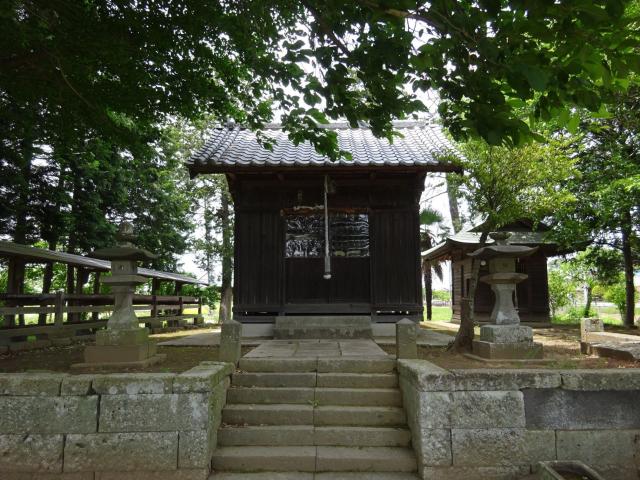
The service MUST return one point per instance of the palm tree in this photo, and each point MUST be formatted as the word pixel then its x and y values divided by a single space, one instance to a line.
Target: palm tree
pixel 430 218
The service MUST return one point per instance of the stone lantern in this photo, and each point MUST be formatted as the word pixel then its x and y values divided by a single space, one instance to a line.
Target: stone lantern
pixel 505 338
pixel 123 343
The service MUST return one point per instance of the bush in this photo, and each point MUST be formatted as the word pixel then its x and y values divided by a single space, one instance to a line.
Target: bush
pixel 616 294
pixel 560 290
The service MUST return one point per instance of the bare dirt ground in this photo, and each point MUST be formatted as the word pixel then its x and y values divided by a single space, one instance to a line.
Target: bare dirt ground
pixel 561 344
pixel 561 347
pixel 60 359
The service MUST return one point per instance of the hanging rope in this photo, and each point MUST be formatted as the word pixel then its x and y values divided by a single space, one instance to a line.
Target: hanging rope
pixel 327 257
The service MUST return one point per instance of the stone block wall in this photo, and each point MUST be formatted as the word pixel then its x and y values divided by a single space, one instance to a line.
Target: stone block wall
pixel 113 426
pixel 498 424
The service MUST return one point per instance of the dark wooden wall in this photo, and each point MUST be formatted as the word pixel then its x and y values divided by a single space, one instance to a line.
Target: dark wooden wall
pixel 384 284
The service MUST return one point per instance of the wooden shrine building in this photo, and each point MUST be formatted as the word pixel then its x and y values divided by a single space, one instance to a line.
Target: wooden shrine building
pixel 532 295
pixel 283 264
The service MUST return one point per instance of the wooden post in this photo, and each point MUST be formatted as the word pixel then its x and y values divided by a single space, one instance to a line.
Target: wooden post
pixel 199 305
pixel 180 306
pixel 154 306
pixel 155 285
pixel 95 316
pixel 58 315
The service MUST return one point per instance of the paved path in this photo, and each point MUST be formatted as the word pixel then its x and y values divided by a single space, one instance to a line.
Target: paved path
pixel 426 338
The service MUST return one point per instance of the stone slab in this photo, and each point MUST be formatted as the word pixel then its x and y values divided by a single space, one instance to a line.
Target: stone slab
pixel 272 380
pixel 490 409
pixel 268 415
pixel 68 414
pixel 30 453
pixel 506 333
pixel 203 378
pixel 154 412
pixel 571 409
pixel 133 383
pixel 425 376
pixel 359 416
pixel 181 474
pixel 138 336
pixel 111 365
pixel 505 472
pixel 609 379
pixel 365 459
pixel 118 353
pixel 600 447
pixel 501 447
pixel 292 395
pixel 357 380
pixel 507 351
pixel 266 435
pixel 31 384
pixel 77 385
pixel 361 436
pixel 504 379
pixel 195 448
pixel 265 459
pixel 115 452
pixel 433 447
pixel 389 397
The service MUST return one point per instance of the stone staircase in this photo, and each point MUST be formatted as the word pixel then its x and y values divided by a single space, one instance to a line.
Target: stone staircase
pixel 318 326
pixel 314 418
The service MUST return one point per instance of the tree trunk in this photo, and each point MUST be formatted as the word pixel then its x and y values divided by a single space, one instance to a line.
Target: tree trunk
pixel 227 259
pixel 452 194
pixel 630 291
pixel 464 337
pixel 428 288
pixel 588 298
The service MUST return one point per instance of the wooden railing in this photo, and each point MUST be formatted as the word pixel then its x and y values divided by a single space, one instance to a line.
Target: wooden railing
pixel 63 315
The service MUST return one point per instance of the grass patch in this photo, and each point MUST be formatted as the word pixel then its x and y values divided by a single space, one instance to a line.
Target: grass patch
pixel 440 314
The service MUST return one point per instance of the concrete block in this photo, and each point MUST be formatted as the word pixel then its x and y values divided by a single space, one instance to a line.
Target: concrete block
pixel 501 446
pixel 361 436
pixel 359 416
pixel 48 414
pixel 487 409
pixel 357 380
pixel 609 379
pixel 268 415
pixel 389 397
pixel 505 379
pixel 133 383
pixel 303 396
pixel 505 472
pixel 76 385
pixel 434 447
pixel 406 339
pixel 203 378
pixel 266 435
pixel 137 336
pixel 154 412
pixel 581 410
pixel 600 447
pixel 182 474
pixel 278 364
pixel 31 384
pixel 588 325
pixel 506 333
pixel 365 459
pixel 356 365
pixel 115 452
pixel 507 351
pixel 30 453
pixel 425 376
pixel 230 336
pixel 274 379
pixel 195 448
pixel 265 459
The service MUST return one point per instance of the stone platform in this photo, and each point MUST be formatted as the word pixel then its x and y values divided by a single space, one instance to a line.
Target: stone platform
pixel 315 348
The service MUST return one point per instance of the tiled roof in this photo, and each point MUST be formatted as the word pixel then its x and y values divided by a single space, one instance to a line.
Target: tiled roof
pixel 34 254
pixel 422 142
pixel 469 237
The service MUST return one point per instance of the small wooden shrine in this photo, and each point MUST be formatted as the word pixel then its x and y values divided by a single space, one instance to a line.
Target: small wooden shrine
pixel 532 294
pixel 320 237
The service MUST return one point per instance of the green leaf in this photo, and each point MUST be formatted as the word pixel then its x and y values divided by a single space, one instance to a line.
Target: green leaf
pixel 536 76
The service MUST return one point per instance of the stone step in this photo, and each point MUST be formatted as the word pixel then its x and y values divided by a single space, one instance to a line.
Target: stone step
pixel 334 326
pixel 359 416
pixel 265 459
pixel 362 436
pixel 300 435
pixel 311 476
pixel 378 364
pixel 266 395
pixel 390 397
pixel 312 459
pixel 253 379
pixel 276 414
pixel 365 459
pixel 357 380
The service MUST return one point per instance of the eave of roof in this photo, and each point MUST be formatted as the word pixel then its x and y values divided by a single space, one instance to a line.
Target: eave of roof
pixel 236 149
pixel 42 255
